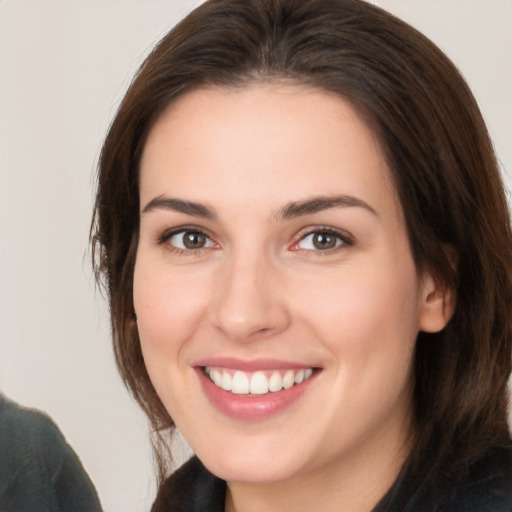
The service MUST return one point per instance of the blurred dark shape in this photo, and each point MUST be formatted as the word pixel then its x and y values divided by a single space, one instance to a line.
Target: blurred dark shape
pixel 39 471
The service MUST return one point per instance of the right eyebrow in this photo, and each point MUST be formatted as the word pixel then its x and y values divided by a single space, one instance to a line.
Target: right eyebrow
pixel 178 205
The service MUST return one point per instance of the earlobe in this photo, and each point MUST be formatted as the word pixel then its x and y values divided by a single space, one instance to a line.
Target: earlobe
pixel 437 305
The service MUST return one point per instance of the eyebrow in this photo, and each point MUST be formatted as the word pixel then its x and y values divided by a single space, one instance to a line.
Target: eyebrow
pixel 289 211
pixel 321 203
pixel 178 205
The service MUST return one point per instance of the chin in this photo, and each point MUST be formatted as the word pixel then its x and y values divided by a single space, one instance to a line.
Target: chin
pixel 250 468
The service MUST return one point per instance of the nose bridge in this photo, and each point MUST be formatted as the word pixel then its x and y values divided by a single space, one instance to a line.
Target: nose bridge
pixel 248 302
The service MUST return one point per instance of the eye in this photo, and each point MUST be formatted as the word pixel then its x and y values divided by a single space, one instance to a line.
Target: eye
pixel 187 240
pixel 322 240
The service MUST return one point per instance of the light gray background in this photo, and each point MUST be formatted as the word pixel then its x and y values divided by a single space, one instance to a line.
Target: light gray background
pixel 63 67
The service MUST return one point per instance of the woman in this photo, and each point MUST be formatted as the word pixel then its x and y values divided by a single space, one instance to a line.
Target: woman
pixel 307 251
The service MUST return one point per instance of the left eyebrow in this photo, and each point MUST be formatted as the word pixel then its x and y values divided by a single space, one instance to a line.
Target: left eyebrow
pixel 321 203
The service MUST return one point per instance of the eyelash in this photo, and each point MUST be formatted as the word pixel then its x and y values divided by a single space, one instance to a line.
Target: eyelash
pixel 344 238
pixel 167 235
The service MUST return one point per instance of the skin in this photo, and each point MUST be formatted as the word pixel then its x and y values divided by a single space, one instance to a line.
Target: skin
pixel 260 288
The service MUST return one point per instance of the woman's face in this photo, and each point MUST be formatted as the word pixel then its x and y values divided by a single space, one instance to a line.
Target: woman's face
pixel 273 253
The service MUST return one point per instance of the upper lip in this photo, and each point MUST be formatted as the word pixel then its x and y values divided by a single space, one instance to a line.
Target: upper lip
pixel 251 365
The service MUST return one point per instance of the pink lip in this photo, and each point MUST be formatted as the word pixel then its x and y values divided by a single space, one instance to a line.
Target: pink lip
pixel 251 408
pixel 250 365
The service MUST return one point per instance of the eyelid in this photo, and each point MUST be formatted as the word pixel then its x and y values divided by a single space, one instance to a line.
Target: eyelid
pixel 346 238
pixel 166 235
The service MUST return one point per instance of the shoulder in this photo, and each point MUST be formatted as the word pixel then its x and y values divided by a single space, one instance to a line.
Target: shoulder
pixel 487 486
pixel 38 469
pixel 27 433
pixel 482 485
pixel 191 488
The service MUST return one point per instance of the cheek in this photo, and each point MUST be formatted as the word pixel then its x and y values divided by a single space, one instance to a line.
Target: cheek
pixel 169 308
pixel 368 321
pixel 169 311
pixel 367 315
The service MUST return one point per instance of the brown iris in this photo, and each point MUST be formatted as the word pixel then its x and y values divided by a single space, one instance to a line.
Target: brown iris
pixel 194 240
pixel 323 241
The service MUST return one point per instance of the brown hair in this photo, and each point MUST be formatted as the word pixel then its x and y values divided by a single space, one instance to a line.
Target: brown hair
pixel 438 150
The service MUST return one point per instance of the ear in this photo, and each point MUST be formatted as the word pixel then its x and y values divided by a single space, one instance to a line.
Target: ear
pixel 437 304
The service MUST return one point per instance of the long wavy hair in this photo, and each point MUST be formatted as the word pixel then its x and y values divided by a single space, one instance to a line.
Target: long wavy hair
pixel 444 169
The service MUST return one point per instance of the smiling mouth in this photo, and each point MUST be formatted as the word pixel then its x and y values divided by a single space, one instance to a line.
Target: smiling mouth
pixel 256 383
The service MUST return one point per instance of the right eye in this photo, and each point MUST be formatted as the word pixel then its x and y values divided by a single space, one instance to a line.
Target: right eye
pixel 187 240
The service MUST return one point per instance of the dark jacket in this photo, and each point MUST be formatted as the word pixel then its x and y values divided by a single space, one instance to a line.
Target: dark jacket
pixel 487 487
pixel 39 471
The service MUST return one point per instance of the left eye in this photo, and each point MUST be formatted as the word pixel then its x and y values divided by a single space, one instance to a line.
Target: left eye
pixel 190 240
pixel 320 241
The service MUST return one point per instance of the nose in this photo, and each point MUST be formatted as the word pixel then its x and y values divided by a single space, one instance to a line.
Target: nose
pixel 249 302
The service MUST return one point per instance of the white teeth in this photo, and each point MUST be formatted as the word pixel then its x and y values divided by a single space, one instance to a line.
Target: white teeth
pixel 275 383
pixel 257 383
pixel 288 379
pixel 227 381
pixel 216 376
pixel 240 384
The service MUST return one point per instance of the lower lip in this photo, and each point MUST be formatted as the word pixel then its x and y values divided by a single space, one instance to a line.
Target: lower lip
pixel 252 408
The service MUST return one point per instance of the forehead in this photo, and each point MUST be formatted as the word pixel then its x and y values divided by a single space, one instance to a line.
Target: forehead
pixel 263 141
